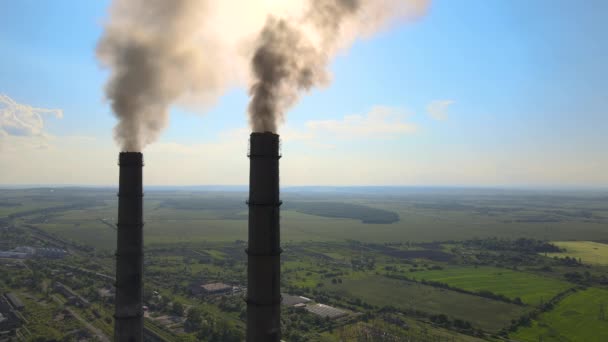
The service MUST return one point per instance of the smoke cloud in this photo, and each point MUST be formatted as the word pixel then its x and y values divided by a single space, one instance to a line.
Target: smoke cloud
pixel 160 52
pixel 189 52
pixel 291 56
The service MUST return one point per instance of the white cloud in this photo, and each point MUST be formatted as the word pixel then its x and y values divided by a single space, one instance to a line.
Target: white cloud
pixel 438 109
pixel 21 119
pixel 380 121
pixel 22 125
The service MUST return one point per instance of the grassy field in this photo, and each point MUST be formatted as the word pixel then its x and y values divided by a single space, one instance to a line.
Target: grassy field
pixel 168 225
pixel 589 252
pixel 423 215
pixel 336 269
pixel 481 312
pixel 416 331
pixel 530 288
pixel 576 318
pixel 92 233
pixel 9 208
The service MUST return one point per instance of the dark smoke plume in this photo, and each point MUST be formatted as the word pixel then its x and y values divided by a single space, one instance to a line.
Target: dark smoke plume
pixel 284 63
pixel 155 50
pixel 189 52
pixel 292 56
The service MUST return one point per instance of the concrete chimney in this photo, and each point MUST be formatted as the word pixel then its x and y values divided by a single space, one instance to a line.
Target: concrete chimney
pixel 128 314
pixel 264 264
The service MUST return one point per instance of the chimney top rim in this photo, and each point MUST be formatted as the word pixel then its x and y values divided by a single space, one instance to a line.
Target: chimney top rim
pixel 264 134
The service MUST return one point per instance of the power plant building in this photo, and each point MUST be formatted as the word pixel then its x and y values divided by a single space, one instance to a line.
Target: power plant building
pixel 215 289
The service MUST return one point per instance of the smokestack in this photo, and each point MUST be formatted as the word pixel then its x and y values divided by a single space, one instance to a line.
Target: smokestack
pixel 264 266
pixel 128 314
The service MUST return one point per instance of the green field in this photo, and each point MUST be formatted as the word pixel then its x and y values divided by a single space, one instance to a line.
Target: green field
pixel 163 225
pixel 406 214
pixel 530 288
pixel 92 233
pixel 355 249
pixel 589 252
pixel 481 312
pixel 576 318
pixel 416 331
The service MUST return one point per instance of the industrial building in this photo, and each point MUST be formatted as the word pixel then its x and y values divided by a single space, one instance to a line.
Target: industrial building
pixel 25 252
pixel 72 297
pixel 12 255
pixel 14 301
pixel 51 253
pixel 326 311
pixel 25 249
pixel 4 305
pixel 9 321
pixel 289 300
pixel 8 326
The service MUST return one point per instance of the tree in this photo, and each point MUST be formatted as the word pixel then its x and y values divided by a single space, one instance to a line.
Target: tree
pixel 440 319
pixel 178 308
pixel 194 318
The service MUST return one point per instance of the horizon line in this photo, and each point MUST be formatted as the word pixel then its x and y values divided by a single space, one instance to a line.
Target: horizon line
pixel 366 186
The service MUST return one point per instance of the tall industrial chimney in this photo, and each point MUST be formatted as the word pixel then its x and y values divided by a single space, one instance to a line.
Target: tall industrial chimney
pixel 264 267
pixel 128 314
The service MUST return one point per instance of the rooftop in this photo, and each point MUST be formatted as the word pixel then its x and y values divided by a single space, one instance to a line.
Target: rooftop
pixel 326 311
pixel 212 287
pixel 289 300
pixel 14 300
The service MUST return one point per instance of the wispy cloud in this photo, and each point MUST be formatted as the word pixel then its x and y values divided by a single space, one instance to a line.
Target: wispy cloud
pixel 23 125
pixel 21 119
pixel 438 109
pixel 380 121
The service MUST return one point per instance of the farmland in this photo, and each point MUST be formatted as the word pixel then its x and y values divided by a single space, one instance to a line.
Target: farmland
pixel 588 251
pixel 530 288
pixel 414 215
pixel 576 318
pixel 438 264
pixel 487 314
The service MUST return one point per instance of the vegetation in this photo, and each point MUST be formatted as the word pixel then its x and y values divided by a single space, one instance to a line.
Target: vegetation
pixel 404 265
pixel 175 217
pixel 344 210
pixel 515 285
pixel 588 252
pixel 378 291
pixel 579 317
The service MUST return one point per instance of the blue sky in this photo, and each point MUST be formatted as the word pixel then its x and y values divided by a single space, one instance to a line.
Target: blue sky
pixel 524 82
